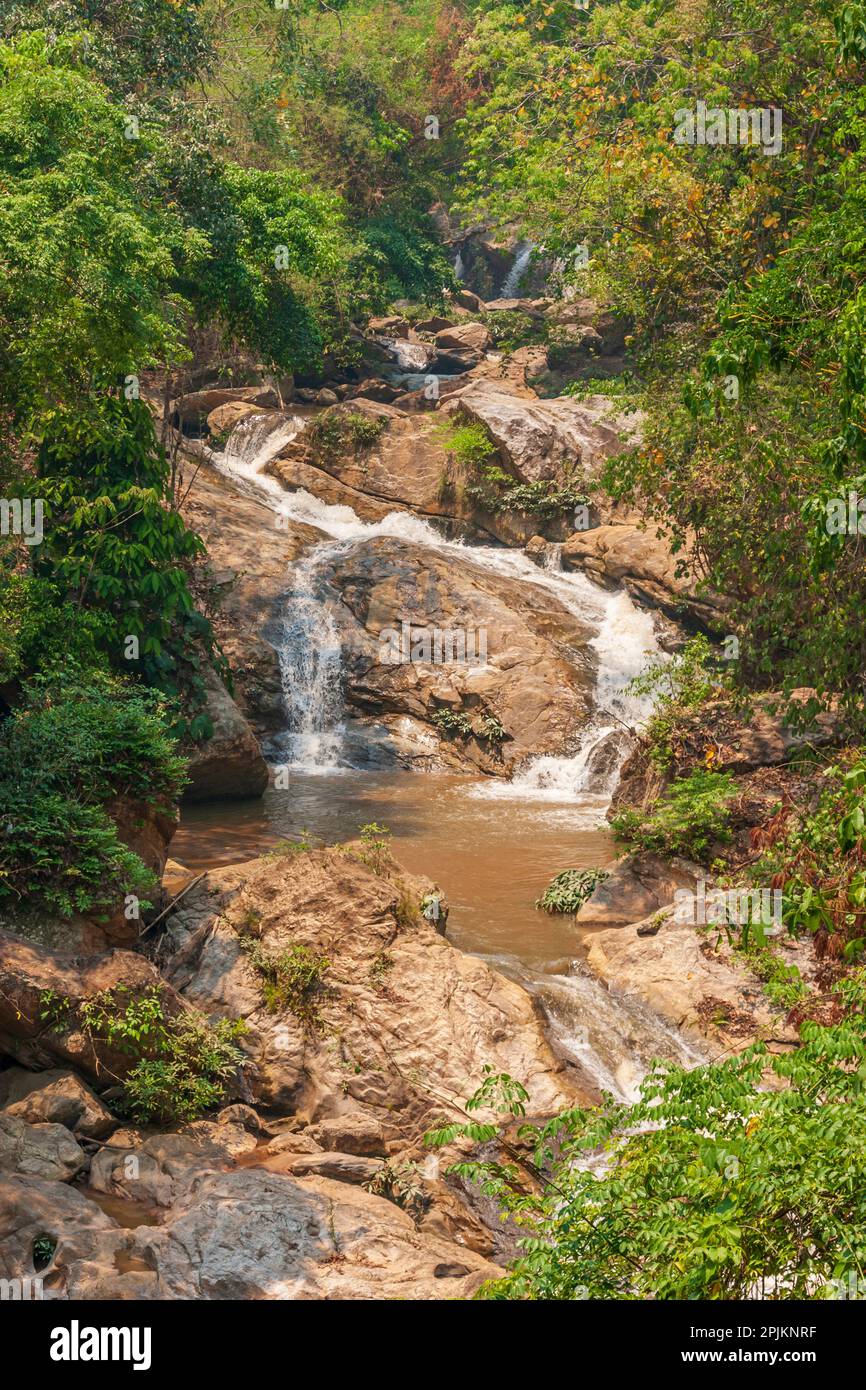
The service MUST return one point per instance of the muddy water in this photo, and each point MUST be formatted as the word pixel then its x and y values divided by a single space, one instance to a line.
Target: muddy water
pixel 492 856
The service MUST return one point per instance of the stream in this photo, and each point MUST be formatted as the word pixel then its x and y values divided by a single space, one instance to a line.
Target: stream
pixel 492 846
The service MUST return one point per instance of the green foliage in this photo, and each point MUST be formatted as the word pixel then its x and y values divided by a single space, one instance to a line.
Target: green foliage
pixel 690 818
pixel 450 722
pixel 713 1185
pixel 818 862
pixel 182 1064
pixel 73 747
pixel 685 682
pixel 292 979
pixel 569 890
pixel 377 851
pixel 335 434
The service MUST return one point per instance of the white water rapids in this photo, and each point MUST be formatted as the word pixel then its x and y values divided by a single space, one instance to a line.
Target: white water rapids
pixel 613 1037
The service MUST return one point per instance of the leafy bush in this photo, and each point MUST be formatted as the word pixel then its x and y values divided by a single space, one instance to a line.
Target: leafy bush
pixel 569 890
pixel 183 1063
pixel 336 434
pixel 68 751
pixel 692 815
pixel 685 682
pixel 713 1186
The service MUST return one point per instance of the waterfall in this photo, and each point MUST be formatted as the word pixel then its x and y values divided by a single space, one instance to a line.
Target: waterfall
pixel 459 268
pixel 308 645
pixel 310 655
pixel 511 283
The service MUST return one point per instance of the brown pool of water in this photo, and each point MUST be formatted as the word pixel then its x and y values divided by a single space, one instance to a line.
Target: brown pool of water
pixel 123 1210
pixel 490 855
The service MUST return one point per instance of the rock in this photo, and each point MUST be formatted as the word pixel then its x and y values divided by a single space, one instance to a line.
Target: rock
pixel 156 1169
pixel 440 1018
pixel 632 557
pixel 340 1167
pixel 55 1097
pixel 433 325
pixel 535 674
pixel 39 1151
pixel 293 1144
pixel 636 886
pixel 469 300
pixel 374 389
pixel 350 1134
pixel 391 325
pixel 28 971
pixel 230 762
pixel 193 410
pixel 148 830
pixel 471 337
pixel 260 1235
pixel 37 1209
pixel 513 306
pixel 223 420
pixel 326 396
pixel 679 975
pixel 546 439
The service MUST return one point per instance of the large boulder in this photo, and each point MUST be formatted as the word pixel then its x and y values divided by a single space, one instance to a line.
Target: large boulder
pixel 634 887
pixel 39 1151
pixel 230 762
pixel 259 1235
pixel 635 558
pixel 400 1020
pixel 55 1097
pixel 192 410
pixel 533 668
pixel 30 974
pixel 546 440
pixel 466 337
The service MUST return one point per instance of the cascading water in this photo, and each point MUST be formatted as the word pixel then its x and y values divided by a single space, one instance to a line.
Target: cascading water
pixel 611 1037
pixel 511 283
pixel 311 666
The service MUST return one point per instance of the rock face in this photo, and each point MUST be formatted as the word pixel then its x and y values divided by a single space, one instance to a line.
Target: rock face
pixel 54 1097
pixel 696 987
pixel 230 762
pixel 636 886
pixel 632 557
pixel 532 670
pixel 38 1151
pixel 259 1235
pixel 28 970
pixel 192 411
pixel 546 439
pixel 472 337
pixel 401 1021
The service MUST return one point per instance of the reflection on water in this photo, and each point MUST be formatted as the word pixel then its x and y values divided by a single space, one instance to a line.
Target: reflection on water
pixel 492 858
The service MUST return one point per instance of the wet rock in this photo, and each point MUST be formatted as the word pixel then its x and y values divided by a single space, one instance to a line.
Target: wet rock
pixel 55 1097
pixel 634 558
pixel 39 1151
pixel 192 410
pixel 225 417
pixel 230 762
pixel 535 673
